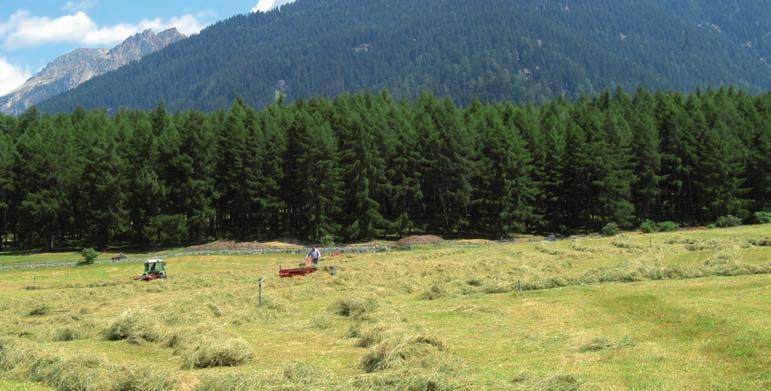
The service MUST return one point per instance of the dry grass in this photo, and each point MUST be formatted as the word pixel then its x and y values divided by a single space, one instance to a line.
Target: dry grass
pixel 453 316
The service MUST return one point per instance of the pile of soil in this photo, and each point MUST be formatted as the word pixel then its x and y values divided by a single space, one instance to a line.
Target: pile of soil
pixel 419 239
pixel 231 245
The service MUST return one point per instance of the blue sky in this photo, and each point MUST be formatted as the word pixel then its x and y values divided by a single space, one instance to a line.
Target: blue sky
pixel 34 32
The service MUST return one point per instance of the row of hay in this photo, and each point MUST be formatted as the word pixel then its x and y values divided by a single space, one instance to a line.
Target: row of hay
pixel 398 356
pixel 26 360
pixel 720 265
pixel 203 346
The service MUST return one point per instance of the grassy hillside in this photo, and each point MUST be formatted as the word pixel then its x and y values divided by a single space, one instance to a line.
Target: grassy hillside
pixel 686 310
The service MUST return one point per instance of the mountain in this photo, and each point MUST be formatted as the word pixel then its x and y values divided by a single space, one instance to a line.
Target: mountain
pixel 75 68
pixel 520 50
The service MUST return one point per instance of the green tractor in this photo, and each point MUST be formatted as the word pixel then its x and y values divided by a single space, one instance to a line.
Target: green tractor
pixel 154 269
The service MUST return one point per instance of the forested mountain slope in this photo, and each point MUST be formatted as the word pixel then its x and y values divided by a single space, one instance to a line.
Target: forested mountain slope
pixel 521 50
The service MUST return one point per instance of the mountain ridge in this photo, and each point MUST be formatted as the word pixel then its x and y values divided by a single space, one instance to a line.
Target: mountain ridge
pixel 80 65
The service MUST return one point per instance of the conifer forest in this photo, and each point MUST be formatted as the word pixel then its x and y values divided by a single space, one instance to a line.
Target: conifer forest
pixel 366 166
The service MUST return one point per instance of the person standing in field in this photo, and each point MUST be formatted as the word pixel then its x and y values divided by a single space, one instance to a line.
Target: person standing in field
pixel 314 256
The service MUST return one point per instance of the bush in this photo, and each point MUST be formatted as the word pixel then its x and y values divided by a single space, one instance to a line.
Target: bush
pixel 89 255
pixel 763 217
pixel 327 240
pixel 728 221
pixel 667 226
pixel 648 226
pixel 610 229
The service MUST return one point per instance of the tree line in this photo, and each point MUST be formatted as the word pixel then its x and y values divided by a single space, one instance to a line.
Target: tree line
pixel 367 166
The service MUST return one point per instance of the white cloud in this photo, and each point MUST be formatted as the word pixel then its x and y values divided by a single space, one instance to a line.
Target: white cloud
pixel 267 5
pixel 24 30
pixel 81 5
pixel 11 77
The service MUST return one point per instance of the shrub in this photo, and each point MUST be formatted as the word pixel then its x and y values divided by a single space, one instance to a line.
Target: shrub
pixel 728 221
pixel 610 229
pixel 89 255
pixel 667 226
pixel 327 240
pixel 648 226
pixel 763 217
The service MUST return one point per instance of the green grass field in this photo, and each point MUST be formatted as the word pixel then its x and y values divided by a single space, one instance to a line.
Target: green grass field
pixel 686 310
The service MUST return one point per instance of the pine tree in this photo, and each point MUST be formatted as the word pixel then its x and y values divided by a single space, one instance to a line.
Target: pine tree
pixel 6 182
pixel 403 198
pixel 363 170
pixel 40 198
pixel 647 158
pixel 504 190
pixel 445 169
pixel 102 185
pixel 759 165
pixel 312 182
pixel 271 123
pixel 196 165
pixel 233 203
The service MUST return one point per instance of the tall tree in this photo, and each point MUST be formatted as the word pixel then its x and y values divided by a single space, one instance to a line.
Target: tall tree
pixel 445 166
pixel 504 190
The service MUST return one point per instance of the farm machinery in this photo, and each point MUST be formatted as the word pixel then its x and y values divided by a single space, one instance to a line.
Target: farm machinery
pixel 304 269
pixel 154 269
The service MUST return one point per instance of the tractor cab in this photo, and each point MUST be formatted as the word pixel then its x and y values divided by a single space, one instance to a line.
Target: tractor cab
pixel 154 269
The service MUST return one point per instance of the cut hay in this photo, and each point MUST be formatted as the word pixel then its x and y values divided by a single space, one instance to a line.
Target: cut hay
pixel 232 245
pixel 354 308
pixel 27 360
pixel 216 352
pixel 297 375
pixel 419 239
pixel 398 351
pixel 135 327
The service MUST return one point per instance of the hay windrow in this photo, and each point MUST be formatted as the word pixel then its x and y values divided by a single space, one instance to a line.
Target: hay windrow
pixel 135 327
pixel 27 360
pixel 216 351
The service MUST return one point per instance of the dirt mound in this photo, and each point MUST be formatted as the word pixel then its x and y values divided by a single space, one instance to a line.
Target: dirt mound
pixel 419 239
pixel 232 245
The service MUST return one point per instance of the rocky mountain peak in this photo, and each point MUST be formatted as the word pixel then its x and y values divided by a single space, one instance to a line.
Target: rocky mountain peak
pixel 80 65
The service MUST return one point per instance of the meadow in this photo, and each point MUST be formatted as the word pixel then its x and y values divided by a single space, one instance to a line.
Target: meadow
pixel 681 310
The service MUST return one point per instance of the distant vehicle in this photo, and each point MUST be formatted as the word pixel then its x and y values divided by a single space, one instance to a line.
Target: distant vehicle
pixel 119 258
pixel 154 269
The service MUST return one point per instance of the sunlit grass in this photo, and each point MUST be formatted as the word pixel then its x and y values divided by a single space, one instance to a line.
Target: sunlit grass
pixel 629 312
